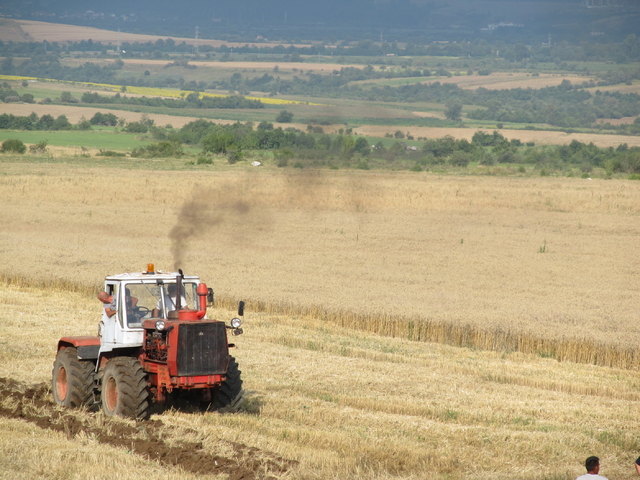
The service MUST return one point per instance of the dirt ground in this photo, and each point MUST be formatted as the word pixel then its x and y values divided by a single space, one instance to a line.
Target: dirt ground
pixel 33 404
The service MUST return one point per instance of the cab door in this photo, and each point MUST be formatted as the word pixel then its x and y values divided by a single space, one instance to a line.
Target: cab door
pixel 108 325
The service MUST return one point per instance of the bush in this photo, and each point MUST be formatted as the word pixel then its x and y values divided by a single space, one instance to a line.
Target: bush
pixel 39 147
pixel 27 98
pixel 13 145
pixel 283 156
pixel 204 161
pixel 460 158
pixel 66 97
pixel 363 165
pixel 284 117
pixel 107 119
pixel 234 156
pixel 109 153
pixel 159 150
pixel 136 127
pixel 83 124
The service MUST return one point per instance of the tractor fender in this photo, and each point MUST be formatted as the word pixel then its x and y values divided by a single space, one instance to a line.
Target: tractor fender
pixel 105 354
pixel 87 347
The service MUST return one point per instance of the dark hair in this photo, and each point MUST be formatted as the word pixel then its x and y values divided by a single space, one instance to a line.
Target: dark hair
pixel 591 463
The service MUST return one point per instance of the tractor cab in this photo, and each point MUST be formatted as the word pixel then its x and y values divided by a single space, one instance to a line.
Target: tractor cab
pixel 141 296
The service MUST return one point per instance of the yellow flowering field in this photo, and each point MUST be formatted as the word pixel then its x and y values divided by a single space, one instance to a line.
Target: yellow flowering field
pixel 157 92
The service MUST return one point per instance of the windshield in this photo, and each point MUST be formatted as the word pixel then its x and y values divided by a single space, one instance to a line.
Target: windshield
pixel 149 300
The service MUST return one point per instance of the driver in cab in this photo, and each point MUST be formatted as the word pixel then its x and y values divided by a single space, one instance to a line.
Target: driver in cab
pixel 170 300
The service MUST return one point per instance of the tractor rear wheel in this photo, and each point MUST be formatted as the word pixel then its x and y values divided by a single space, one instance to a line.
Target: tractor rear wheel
pixel 125 392
pixel 228 396
pixel 72 379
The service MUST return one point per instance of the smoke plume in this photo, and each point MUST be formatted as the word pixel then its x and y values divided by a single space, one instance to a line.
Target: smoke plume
pixel 210 207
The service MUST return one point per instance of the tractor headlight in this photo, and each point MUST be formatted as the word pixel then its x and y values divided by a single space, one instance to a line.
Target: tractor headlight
pixel 236 322
pixel 160 325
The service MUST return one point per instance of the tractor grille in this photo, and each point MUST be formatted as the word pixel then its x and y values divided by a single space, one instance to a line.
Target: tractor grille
pixel 202 349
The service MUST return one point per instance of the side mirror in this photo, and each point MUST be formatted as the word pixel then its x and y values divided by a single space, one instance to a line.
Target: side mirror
pixel 210 296
pixel 241 308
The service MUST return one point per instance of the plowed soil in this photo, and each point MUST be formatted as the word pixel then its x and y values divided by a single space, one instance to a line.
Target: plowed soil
pixel 149 439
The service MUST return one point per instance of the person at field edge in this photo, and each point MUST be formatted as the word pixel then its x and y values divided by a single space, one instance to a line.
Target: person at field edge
pixel 637 465
pixel 593 468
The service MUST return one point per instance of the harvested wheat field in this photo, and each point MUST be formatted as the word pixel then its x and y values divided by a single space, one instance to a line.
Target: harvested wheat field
pixel 543 262
pixel 398 326
pixel 75 114
pixel 232 65
pixel 538 136
pixel 322 402
pixel 507 80
pixel 34 31
pixel 622 88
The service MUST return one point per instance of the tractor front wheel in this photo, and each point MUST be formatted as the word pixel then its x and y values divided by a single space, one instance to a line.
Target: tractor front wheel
pixel 228 396
pixel 72 379
pixel 125 392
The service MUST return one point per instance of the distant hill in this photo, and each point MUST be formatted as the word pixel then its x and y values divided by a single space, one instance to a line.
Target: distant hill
pixel 389 20
pixel 34 31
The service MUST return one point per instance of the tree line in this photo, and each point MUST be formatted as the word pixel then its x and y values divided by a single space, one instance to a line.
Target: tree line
pixel 191 100
pixel 596 49
pixel 293 146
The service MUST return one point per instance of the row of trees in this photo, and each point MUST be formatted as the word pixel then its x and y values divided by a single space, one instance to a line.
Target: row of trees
pixel 287 144
pixel 597 49
pixel 33 122
pixel 48 122
pixel 191 100
pixel 484 148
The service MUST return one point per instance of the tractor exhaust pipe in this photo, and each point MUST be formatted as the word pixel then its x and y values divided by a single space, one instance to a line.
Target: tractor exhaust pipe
pixel 178 302
pixel 193 315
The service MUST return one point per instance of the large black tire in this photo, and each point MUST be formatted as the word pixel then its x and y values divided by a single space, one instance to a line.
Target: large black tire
pixel 72 380
pixel 228 397
pixel 125 392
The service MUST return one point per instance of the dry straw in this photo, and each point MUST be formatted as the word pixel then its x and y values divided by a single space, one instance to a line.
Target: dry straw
pixel 410 328
pixel 417 329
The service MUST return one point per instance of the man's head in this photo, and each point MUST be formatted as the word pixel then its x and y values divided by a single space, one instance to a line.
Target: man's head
pixel 104 297
pixel 592 464
pixel 172 288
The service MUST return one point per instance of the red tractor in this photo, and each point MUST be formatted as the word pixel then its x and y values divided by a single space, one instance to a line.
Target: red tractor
pixel 154 345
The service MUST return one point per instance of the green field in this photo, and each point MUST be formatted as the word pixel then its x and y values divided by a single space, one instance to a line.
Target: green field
pixel 98 139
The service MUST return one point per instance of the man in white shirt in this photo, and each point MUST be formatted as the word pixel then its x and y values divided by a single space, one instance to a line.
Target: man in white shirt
pixel 170 300
pixel 593 467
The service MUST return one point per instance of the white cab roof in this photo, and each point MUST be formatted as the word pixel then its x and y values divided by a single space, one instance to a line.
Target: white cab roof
pixel 167 277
